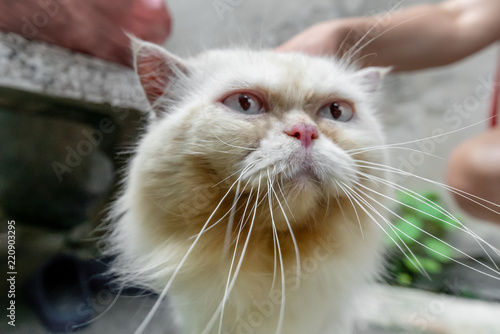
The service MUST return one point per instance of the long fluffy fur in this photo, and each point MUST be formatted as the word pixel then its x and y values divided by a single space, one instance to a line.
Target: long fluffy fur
pixel 216 210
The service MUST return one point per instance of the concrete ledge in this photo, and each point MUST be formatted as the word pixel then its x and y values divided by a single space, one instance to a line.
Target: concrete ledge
pixel 81 87
pixel 50 70
pixel 45 80
pixel 400 310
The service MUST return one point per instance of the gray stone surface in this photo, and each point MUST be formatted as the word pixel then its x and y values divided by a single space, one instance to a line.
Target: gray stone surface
pixel 412 108
pixel 52 103
pixel 41 68
pixel 401 310
pixel 44 180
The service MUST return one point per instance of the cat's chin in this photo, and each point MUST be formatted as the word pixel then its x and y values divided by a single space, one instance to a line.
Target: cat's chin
pixel 306 180
pixel 305 174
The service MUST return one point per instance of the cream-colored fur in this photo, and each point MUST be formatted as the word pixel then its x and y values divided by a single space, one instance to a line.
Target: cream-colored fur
pixel 217 207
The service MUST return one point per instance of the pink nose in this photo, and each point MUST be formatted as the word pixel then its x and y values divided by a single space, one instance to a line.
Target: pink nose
pixel 306 133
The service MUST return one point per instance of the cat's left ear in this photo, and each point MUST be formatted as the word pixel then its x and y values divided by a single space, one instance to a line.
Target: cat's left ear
pixel 372 77
pixel 156 68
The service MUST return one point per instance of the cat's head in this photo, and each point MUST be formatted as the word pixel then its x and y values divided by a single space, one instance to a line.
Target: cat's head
pixel 253 120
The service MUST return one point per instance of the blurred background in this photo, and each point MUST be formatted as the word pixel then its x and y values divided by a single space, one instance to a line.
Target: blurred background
pixel 65 117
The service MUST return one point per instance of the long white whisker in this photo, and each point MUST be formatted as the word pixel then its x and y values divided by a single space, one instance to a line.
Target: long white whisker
pixel 357 196
pixel 480 241
pixel 280 188
pixel 432 236
pixel 274 235
pixel 230 210
pixel 353 206
pixel 351 56
pixel 235 146
pixel 374 148
pixel 226 291
pixel 452 189
pixel 283 299
pixel 369 148
pixel 155 307
pixel 229 228
pixel 347 56
pixel 422 199
pixel 208 146
pixel 252 164
pixel 295 245
pixel 238 267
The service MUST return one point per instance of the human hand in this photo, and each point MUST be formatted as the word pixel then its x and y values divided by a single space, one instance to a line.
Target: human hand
pixel 93 27
pixel 321 39
pixel 347 37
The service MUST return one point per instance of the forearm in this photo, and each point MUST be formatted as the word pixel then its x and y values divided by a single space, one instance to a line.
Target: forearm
pixel 422 36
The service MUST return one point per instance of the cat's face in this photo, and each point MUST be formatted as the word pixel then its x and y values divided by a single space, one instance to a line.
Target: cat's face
pixel 262 118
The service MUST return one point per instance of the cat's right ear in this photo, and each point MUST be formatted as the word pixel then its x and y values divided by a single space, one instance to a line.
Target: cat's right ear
pixel 156 69
pixel 372 77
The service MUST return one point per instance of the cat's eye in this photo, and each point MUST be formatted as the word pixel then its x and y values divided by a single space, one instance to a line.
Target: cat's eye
pixel 338 111
pixel 245 103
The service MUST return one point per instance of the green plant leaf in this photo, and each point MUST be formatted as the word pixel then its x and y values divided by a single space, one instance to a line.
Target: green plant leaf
pixel 404 279
pixel 406 229
pixel 468 293
pixel 431 196
pixel 429 265
pixel 430 211
pixel 440 247
pixel 450 223
pixel 409 228
pixel 404 197
pixel 407 199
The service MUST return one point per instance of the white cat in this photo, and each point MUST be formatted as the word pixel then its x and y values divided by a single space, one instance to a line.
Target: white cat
pixel 249 199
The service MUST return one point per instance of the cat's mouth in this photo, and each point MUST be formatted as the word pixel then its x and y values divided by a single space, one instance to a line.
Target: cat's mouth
pixel 313 174
pixel 317 170
pixel 304 172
